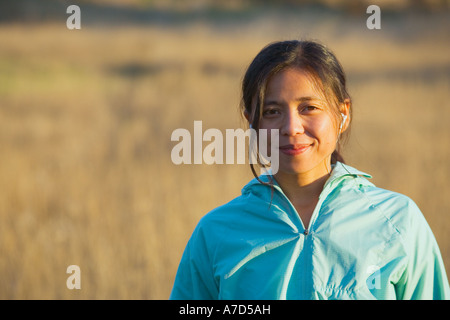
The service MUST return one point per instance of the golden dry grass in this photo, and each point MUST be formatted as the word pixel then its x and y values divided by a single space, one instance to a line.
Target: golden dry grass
pixel 85 124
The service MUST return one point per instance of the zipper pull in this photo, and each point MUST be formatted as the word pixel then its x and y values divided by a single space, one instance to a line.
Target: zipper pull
pixel 306 232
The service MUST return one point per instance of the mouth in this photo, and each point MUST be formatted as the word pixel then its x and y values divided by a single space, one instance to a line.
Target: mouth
pixel 294 149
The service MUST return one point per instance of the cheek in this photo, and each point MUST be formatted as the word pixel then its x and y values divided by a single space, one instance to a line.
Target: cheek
pixel 324 130
pixel 264 141
pixel 269 124
pixel 265 127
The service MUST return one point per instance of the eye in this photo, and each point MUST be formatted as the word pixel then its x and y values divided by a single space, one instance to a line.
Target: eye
pixel 309 109
pixel 270 112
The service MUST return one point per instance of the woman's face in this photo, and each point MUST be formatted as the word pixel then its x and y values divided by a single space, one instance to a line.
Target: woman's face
pixel 307 130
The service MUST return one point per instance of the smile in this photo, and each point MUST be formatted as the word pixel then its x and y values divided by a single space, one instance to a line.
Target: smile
pixel 293 150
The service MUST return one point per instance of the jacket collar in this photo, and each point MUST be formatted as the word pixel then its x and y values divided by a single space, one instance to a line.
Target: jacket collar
pixel 338 170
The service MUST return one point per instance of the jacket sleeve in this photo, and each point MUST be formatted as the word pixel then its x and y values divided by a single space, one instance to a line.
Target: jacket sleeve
pixel 195 279
pixel 424 277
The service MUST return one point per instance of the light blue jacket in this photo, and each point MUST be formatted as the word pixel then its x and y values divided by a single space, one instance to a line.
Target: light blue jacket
pixel 363 242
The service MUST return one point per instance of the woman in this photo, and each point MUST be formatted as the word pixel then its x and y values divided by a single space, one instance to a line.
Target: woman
pixel 317 229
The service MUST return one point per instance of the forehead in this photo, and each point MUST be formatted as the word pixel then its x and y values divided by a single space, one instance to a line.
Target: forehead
pixel 293 83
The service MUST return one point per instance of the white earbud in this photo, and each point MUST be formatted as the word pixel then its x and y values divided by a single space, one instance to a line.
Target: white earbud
pixel 344 118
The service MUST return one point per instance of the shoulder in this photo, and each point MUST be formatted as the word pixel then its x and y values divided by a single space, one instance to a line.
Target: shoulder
pixel 398 209
pixel 224 212
pixel 248 212
pixel 220 220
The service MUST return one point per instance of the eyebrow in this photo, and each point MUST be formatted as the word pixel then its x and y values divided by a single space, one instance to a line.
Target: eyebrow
pixel 301 99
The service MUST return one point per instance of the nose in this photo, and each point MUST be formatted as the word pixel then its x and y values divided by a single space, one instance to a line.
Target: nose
pixel 292 124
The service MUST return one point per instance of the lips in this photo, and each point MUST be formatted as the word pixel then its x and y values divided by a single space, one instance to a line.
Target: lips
pixel 294 149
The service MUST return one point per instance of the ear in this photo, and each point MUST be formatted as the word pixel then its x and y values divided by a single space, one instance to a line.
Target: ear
pixel 345 110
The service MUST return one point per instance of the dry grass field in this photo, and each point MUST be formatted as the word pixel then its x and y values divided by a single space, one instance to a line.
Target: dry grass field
pixel 86 118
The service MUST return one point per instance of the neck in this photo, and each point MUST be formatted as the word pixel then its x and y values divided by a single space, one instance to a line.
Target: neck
pixel 303 188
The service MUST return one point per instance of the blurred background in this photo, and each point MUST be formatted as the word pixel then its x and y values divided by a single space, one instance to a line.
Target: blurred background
pixel 86 117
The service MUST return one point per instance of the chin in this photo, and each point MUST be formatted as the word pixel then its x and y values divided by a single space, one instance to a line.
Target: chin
pixel 298 166
pixel 295 167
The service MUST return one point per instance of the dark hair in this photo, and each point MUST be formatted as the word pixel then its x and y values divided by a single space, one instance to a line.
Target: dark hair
pixel 314 58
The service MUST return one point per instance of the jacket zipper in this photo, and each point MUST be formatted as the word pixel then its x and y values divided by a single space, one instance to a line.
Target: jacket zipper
pixel 315 213
pixel 323 194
